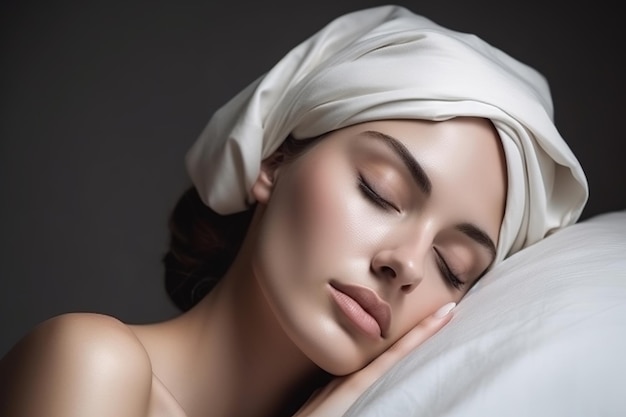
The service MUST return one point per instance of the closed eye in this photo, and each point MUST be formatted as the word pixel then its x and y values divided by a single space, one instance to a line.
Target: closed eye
pixel 373 196
pixel 447 272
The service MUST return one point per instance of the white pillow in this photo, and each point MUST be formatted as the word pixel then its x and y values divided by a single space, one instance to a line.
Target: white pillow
pixel 544 334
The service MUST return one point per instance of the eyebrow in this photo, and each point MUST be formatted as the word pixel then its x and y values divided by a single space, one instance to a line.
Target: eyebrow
pixel 417 172
pixel 478 235
pixel 423 182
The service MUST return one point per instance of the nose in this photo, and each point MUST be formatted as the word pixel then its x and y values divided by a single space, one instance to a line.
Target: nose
pixel 402 266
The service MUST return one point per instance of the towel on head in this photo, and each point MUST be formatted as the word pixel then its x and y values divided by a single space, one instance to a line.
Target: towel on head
pixel 388 63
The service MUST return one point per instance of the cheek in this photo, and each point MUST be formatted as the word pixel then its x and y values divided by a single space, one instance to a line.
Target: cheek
pixel 310 232
pixel 317 213
pixel 306 222
pixel 315 204
pixel 313 214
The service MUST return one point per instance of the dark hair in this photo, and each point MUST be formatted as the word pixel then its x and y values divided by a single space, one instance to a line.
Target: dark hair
pixel 204 243
pixel 202 246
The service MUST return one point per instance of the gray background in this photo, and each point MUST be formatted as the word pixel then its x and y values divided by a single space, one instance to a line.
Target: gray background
pixel 99 102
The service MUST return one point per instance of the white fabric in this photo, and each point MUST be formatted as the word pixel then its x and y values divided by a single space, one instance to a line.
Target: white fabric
pixel 543 335
pixel 384 63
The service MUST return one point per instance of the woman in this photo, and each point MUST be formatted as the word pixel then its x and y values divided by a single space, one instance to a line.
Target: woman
pixel 382 167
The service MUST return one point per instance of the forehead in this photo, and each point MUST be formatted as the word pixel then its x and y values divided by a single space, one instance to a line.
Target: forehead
pixel 469 141
pixel 472 132
pixel 462 157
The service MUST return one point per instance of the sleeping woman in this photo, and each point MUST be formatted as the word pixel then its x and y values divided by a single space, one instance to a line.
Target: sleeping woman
pixel 342 204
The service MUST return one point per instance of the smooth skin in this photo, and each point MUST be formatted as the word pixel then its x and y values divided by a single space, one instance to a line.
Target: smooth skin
pixel 351 212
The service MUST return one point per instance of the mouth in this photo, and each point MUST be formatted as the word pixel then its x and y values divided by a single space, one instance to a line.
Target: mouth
pixel 364 308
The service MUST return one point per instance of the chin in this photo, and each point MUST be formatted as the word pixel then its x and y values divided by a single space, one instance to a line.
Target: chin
pixel 343 367
pixel 335 354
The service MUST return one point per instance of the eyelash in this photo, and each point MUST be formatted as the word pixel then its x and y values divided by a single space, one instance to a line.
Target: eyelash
pixel 373 196
pixel 447 272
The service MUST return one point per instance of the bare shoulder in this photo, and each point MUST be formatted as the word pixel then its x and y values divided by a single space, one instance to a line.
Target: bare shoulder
pixel 76 364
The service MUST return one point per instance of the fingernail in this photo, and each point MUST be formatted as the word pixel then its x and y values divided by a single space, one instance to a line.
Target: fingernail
pixel 444 311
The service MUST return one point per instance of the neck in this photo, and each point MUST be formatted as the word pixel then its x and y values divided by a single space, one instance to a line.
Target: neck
pixel 264 367
pixel 229 356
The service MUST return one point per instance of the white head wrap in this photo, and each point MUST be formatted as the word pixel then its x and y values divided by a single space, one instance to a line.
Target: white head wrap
pixel 388 63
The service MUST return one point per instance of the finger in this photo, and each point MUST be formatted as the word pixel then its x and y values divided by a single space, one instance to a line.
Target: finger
pixel 423 330
pixel 337 396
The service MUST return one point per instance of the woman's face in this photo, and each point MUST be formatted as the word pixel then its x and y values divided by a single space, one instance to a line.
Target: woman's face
pixel 374 228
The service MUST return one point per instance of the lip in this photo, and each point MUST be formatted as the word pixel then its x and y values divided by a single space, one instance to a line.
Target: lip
pixel 360 302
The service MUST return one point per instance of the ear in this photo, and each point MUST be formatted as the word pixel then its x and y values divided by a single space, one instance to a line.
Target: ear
pixel 264 184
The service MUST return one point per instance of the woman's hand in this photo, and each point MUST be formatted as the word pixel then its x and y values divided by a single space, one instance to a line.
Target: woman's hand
pixel 338 395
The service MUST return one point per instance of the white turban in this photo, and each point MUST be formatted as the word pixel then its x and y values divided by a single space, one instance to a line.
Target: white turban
pixel 388 63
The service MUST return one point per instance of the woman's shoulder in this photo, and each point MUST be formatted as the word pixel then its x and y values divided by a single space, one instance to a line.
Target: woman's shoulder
pixel 76 364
